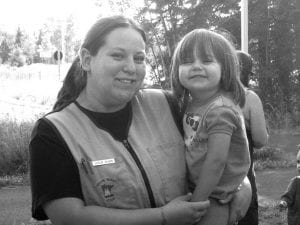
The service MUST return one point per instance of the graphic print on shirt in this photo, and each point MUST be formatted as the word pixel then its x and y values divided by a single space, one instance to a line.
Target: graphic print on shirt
pixel 194 134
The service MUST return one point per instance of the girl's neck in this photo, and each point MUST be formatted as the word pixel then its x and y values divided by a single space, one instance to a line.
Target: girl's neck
pixel 203 97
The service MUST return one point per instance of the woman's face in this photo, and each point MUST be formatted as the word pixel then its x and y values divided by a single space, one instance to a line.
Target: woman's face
pixel 116 73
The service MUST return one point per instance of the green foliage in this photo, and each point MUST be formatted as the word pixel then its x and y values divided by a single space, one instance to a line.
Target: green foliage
pixel 4 50
pixel 20 179
pixel 272 157
pixel 21 49
pixel 14 142
pixel 272 44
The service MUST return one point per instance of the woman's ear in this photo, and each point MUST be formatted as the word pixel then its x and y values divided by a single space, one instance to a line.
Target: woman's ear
pixel 85 58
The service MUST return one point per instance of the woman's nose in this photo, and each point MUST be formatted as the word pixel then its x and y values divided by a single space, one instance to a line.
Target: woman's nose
pixel 129 66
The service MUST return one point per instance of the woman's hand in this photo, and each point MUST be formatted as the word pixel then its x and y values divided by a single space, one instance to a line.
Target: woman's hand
pixel 181 211
pixel 239 202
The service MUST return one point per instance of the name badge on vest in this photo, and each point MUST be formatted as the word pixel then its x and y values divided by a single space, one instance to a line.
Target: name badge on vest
pixel 103 162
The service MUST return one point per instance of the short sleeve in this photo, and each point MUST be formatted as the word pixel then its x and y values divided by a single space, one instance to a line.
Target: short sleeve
pixel 53 171
pixel 222 119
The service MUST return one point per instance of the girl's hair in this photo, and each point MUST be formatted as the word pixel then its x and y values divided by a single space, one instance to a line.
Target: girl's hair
pixel 206 42
pixel 245 61
pixel 76 78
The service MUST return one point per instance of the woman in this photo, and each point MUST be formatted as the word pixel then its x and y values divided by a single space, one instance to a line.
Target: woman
pixel 256 128
pixel 110 153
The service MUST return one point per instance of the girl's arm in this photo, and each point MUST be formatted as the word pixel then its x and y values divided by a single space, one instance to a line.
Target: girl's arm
pixel 213 166
pixel 289 195
pixel 72 211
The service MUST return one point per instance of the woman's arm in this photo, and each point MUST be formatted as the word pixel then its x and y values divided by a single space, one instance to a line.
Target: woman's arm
pixel 72 211
pixel 258 126
pixel 213 166
pixel 239 202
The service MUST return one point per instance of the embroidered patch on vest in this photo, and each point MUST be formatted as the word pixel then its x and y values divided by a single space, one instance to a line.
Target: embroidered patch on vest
pixel 107 186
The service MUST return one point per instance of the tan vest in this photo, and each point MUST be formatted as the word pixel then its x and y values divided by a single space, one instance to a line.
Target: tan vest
pixel 150 163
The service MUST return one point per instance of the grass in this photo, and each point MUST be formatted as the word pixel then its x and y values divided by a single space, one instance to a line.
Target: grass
pixel 269 213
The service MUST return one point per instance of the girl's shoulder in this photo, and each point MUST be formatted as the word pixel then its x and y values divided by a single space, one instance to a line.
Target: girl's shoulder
pixel 223 104
pixel 225 100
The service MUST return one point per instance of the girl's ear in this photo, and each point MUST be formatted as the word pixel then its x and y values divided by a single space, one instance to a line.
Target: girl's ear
pixel 85 58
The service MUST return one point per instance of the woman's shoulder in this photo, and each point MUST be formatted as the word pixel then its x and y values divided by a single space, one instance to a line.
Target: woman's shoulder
pixel 42 127
pixel 153 95
pixel 251 95
pixel 43 130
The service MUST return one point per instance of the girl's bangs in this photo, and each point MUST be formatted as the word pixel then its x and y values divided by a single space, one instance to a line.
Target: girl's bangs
pixel 186 50
pixel 196 43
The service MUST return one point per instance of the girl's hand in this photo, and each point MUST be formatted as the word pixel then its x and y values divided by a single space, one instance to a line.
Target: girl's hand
pixel 282 204
pixel 181 211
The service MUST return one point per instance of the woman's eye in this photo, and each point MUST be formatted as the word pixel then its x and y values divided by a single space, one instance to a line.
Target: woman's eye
pixel 117 56
pixel 139 59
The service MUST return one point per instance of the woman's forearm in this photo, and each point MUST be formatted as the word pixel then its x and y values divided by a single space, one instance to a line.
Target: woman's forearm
pixel 71 211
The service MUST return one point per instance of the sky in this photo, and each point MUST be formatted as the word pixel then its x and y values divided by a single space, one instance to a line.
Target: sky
pixel 31 14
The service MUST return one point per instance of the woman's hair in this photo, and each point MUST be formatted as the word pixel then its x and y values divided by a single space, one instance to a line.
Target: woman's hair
pixel 76 78
pixel 245 61
pixel 206 42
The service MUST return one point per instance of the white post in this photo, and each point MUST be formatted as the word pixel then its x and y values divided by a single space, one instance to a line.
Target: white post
pixel 244 25
pixel 58 63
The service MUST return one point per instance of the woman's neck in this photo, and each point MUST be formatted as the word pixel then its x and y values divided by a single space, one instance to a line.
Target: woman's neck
pixel 95 105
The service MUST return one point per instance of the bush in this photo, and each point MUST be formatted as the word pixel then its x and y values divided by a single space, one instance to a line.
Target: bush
pixel 14 142
pixel 272 157
pixel 268 152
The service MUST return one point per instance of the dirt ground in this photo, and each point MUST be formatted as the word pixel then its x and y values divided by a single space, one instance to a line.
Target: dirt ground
pixel 14 205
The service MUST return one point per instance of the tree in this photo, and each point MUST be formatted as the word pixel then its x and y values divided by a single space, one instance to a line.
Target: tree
pixel 19 38
pixel 168 20
pixel 70 40
pixel 5 50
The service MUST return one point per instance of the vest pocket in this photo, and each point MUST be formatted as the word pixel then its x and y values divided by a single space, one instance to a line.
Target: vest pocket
pixel 112 184
pixel 170 166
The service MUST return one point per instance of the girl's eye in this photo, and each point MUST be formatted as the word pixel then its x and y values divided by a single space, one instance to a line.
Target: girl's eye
pixel 139 59
pixel 208 60
pixel 187 60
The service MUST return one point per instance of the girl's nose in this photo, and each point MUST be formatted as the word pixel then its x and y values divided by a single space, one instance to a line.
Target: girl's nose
pixel 198 64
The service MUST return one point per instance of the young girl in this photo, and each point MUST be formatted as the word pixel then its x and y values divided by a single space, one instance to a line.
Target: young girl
pixel 291 197
pixel 206 82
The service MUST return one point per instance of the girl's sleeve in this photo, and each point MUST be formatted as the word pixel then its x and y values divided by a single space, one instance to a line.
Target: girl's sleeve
pixel 290 193
pixel 222 120
pixel 53 171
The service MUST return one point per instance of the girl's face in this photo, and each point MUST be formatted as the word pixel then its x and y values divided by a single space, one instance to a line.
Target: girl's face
pixel 201 76
pixel 116 73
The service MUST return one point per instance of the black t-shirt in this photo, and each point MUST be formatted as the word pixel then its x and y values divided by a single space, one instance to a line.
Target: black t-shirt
pixel 53 170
